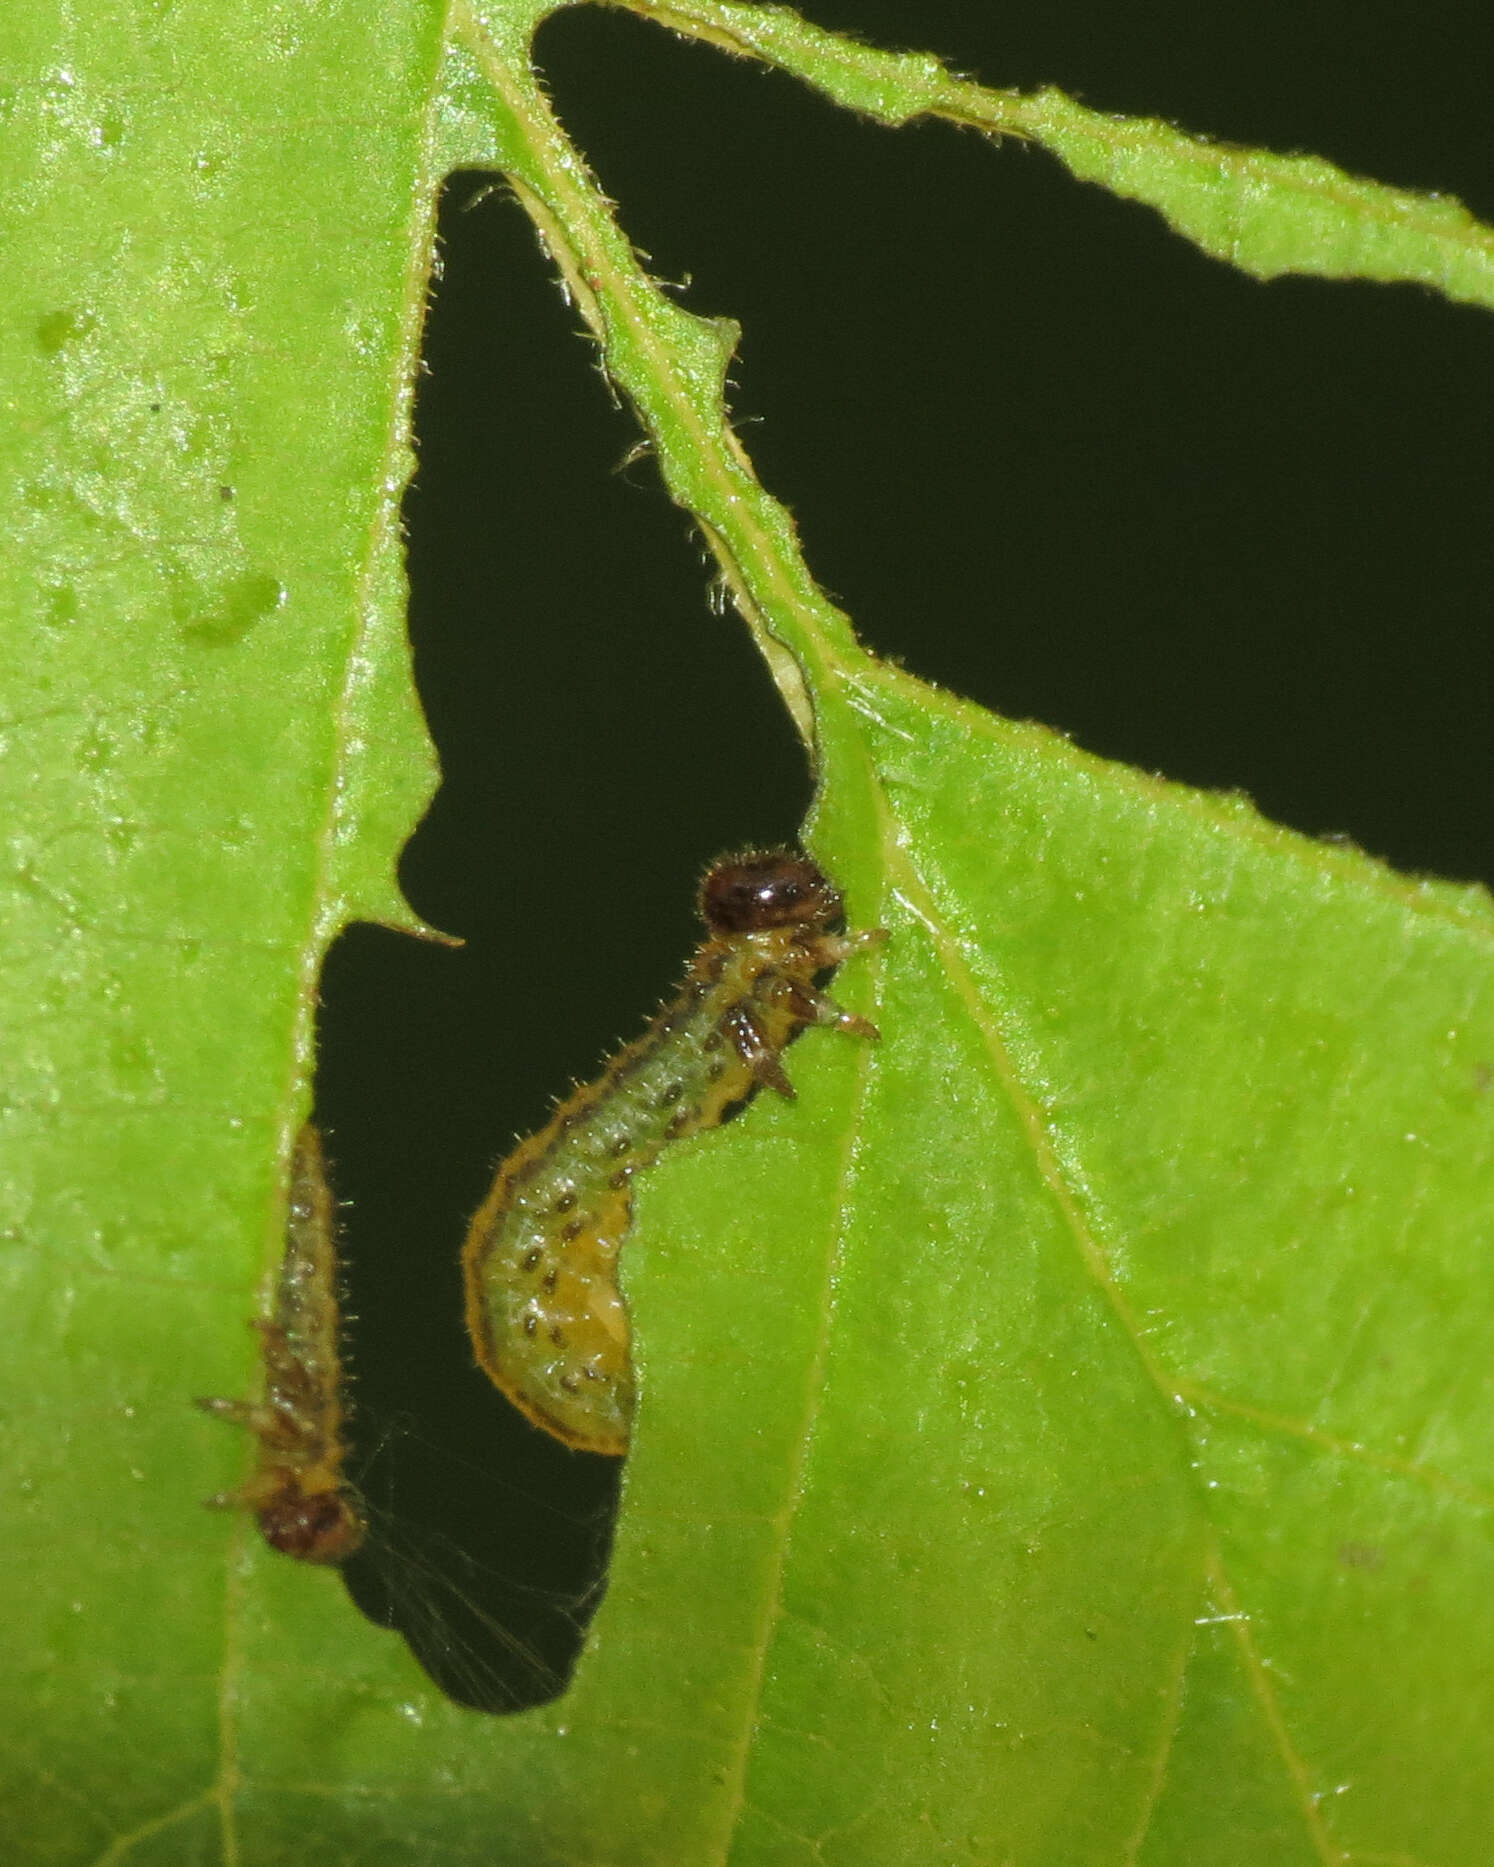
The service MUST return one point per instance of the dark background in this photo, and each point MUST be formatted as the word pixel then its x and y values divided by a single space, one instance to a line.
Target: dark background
pixel 1037 446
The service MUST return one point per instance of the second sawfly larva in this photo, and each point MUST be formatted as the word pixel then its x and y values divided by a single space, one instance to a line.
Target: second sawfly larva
pixel 304 1504
pixel 544 1310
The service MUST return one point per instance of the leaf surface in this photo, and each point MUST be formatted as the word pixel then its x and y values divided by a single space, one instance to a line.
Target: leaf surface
pixel 1066 1427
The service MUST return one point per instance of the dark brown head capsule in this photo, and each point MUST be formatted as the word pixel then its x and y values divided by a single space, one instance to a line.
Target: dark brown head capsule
pixel 763 889
pixel 322 1527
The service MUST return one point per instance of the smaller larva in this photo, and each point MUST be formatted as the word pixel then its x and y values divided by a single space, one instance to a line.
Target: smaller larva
pixel 544 1309
pixel 304 1505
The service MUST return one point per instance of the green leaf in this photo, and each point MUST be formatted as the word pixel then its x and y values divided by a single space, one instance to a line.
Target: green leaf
pixel 1267 214
pixel 219 241
pixel 1065 1433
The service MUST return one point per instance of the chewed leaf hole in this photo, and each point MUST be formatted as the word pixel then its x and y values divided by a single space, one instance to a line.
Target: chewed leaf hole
pixel 488 1560
pixel 574 680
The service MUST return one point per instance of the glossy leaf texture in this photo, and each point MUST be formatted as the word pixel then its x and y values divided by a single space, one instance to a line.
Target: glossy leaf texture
pixel 1066 1429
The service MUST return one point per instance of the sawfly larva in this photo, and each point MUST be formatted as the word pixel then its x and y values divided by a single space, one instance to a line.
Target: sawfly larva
pixel 304 1505
pixel 544 1308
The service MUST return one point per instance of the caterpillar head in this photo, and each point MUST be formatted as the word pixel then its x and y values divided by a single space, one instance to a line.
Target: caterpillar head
pixel 767 888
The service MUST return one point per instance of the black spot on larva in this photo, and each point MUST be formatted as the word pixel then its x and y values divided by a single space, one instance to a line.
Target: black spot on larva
pixel 620 1179
pixel 551 1279
pixel 566 1202
pixel 572 1229
pixel 532 1257
pixel 620 1145
pixel 713 1042
pixel 570 1384
pixel 716 1071
pixel 557 1335
pixel 670 1095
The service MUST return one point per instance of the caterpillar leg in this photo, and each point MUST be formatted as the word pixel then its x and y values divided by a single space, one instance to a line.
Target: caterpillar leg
pixel 759 1053
pixel 835 949
pixel 826 1011
pixel 819 1007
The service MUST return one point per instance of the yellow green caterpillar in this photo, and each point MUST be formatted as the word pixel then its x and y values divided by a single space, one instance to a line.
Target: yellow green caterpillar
pixel 544 1310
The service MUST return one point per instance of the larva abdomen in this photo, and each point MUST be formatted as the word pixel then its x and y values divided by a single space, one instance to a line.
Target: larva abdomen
pixel 544 1308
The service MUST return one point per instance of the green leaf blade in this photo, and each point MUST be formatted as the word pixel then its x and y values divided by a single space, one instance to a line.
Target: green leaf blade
pixel 1271 214
pixel 208 242
pixel 1266 213
pixel 1068 1405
